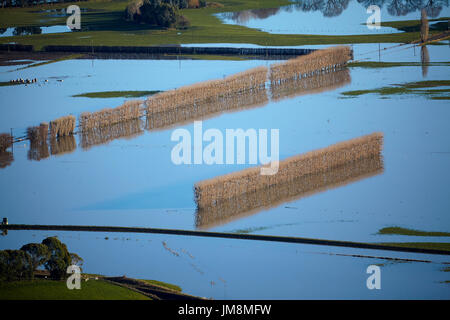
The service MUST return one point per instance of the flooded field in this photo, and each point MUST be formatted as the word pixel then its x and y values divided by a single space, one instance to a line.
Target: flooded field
pixel 363 153
pixel 124 176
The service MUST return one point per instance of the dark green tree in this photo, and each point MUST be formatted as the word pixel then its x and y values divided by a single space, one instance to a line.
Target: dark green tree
pixel 162 13
pixel 15 265
pixel 159 13
pixel 38 252
pixel 59 258
pixel 4 268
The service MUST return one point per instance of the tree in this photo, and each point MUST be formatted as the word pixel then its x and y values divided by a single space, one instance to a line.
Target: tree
pixel 4 268
pixel 76 259
pixel 15 265
pixel 162 13
pixel 38 252
pixel 424 26
pixel 59 258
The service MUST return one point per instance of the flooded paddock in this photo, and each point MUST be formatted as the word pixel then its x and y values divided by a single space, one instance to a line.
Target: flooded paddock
pixel 123 175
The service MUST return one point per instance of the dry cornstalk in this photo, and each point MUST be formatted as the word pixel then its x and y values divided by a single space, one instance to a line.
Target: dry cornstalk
pixel 110 116
pixel 62 126
pixel 226 210
pixel 207 192
pixel 316 62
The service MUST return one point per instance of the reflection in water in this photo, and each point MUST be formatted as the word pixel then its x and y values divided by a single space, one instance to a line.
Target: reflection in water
pixel 403 7
pixel 244 16
pixel 224 211
pixel 38 142
pixel 103 135
pixel 38 150
pixel 209 108
pixel 62 145
pixel 425 59
pixel 6 158
pixel 334 8
pixel 215 196
pixel 310 85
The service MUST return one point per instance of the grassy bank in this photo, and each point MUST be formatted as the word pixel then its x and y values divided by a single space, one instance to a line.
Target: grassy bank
pixel 165 285
pixel 424 88
pixel 381 64
pixel 412 232
pixel 102 24
pixel 57 290
pixel 116 94
pixel 420 245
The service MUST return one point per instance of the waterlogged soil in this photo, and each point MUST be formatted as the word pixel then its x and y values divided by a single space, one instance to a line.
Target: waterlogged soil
pixel 132 180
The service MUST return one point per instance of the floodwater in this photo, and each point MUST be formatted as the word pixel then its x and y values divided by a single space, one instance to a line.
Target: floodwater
pixel 126 177
pixel 25 31
pixel 343 17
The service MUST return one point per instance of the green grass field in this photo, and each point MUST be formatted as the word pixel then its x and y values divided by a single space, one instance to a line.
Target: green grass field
pixel 57 290
pixel 103 24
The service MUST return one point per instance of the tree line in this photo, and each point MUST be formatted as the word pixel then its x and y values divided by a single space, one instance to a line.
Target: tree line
pixel 52 254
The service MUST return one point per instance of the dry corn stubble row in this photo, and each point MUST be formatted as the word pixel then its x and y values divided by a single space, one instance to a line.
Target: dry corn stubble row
pixel 208 108
pixel 6 141
pixel 310 85
pixel 103 135
pixel 251 180
pixel 313 63
pixel 250 80
pixel 110 116
pixel 225 210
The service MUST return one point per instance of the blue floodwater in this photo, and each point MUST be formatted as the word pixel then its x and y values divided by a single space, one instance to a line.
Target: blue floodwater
pixel 17 31
pixel 133 182
pixel 345 17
